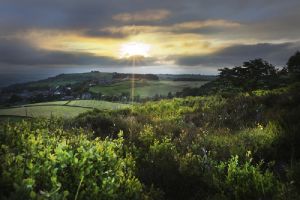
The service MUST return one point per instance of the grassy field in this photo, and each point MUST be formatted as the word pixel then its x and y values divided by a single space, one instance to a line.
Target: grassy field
pixel 65 79
pixel 44 111
pixel 146 88
pixel 66 109
pixel 96 104
pixel 48 103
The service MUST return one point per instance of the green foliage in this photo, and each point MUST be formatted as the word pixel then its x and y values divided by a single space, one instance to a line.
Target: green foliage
pixel 157 163
pixel 293 66
pixel 236 180
pixel 252 75
pixel 42 161
pixel 145 88
pixel 181 148
pixel 294 176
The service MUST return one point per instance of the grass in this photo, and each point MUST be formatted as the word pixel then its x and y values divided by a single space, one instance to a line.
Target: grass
pixel 5 119
pixel 48 103
pixel 65 79
pixel 44 111
pixel 65 109
pixel 146 88
pixel 96 104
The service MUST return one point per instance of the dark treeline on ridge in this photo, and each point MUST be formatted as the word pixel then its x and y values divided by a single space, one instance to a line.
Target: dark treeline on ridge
pixel 252 75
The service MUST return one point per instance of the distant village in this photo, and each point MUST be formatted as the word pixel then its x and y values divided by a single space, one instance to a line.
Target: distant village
pixel 26 93
pixel 57 93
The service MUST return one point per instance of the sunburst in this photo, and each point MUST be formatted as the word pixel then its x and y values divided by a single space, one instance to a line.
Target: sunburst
pixel 135 49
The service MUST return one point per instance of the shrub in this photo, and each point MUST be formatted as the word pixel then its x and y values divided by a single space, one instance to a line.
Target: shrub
pixel 40 163
pixel 236 180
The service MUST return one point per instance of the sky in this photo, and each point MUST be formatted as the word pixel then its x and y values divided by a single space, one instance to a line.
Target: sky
pixel 45 37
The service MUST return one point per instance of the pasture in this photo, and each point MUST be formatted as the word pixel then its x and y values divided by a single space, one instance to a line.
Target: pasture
pixel 65 109
pixel 67 79
pixel 145 88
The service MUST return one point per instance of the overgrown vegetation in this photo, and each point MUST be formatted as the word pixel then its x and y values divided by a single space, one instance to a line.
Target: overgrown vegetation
pixel 239 143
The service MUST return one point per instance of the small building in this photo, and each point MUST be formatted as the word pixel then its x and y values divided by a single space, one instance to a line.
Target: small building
pixel 57 93
pixel 86 95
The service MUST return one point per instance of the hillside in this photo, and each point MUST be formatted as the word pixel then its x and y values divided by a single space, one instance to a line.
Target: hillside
pixel 65 109
pixel 236 137
pixel 146 89
pixel 100 86
pixel 184 148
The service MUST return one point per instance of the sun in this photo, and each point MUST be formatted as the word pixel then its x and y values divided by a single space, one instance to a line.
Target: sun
pixel 131 49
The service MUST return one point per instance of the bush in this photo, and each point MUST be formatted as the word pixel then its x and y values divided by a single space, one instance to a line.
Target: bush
pixel 247 180
pixel 39 163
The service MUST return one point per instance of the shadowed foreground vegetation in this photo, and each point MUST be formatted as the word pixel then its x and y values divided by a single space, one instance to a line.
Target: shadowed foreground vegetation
pixel 241 144
pixel 246 147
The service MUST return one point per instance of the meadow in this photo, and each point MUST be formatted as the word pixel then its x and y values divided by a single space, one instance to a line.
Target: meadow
pixel 65 109
pixel 145 88
pixel 69 79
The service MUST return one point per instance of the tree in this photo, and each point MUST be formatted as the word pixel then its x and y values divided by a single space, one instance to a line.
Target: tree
pixel 14 99
pixel 254 74
pixel 293 65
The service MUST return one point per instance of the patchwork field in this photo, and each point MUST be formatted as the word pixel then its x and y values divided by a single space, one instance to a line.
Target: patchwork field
pixel 96 104
pixel 146 88
pixel 65 79
pixel 44 111
pixel 65 109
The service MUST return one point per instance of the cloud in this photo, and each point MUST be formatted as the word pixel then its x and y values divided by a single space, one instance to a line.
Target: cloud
pixel 191 25
pixel 105 33
pixel 175 28
pixel 205 26
pixel 235 55
pixel 18 52
pixel 228 20
pixel 145 15
pixel 97 14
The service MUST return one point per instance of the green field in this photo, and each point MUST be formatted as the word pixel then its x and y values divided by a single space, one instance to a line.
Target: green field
pixel 96 104
pixel 146 88
pixel 44 111
pixel 48 103
pixel 65 109
pixel 66 79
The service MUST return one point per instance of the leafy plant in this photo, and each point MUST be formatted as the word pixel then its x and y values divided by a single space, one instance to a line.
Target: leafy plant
pixel 40 163
pixel 236 180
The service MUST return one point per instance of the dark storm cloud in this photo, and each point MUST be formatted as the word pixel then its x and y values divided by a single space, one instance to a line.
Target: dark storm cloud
pixel 91 15
pixel 18 52
pixel 104 33
pixel 261 20
pixel 275 53
pixel 68 14
pixel 54 14
pixel 14 53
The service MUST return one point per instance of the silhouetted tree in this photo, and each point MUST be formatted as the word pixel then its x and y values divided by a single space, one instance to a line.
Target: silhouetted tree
pixel 283 71
pixel 170 95
pixel 14 99
pixel 252 75
pixel 293 65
